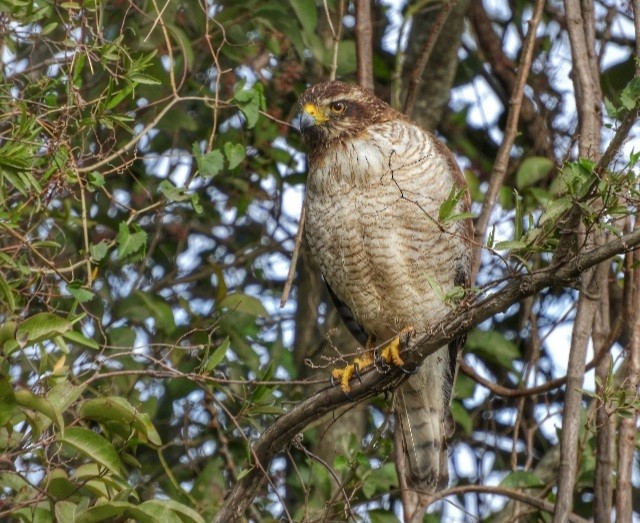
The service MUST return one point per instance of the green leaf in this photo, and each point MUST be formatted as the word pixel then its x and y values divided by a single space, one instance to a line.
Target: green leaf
pixel 556 208
pixel 436 287
pixel 130 243
pixel 8 405
pixel 96 180
pixel 92 477
pixel 64 510
pixel 141 78
pixel 160 310
pixel 94 446
pixel 58 484
pixel 181 512
pixel 493 346
pixel 41 326
pixel 250 102
pixel 195 203
pixel 240 302
pixel 144 424
pixel 80 339
pixel 631 94
pixel 533 170
pixel 382 516
pixel 217 356
pixel 115 510
pixel 509 245
pixel 185 43
pixel 449 205
pixel 110 408
pixel 381 480
pixel 81 294
pixel 117 409
pixel 521 479
pixel 340 463
pixel 235 153
pixel 27 399
pixel 7 293
pixel 306 13
pixel 173 193
pixel 98 250
pixel 63 395
pixel 209 164
pixel 121 337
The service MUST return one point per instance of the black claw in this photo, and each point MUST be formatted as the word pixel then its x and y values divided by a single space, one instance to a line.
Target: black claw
pixel 410 372
pixel 356 370
pixel 333 381
pixel 381 364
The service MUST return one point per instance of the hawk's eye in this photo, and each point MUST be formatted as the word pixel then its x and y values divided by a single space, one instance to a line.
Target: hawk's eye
pixel 338 107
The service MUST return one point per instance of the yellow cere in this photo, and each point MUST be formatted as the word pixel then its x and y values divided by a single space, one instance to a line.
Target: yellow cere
pixel 317 113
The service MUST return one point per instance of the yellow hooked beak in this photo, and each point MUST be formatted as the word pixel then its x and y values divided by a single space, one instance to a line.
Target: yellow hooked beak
pixel 312 115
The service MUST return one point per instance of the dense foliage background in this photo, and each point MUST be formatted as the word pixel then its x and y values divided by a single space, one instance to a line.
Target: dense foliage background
pixel 150 187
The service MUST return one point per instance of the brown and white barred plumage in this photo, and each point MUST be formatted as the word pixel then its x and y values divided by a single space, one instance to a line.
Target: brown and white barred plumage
pixel 376 183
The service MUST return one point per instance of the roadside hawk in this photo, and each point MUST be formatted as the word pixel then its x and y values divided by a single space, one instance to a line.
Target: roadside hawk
pixel 375 188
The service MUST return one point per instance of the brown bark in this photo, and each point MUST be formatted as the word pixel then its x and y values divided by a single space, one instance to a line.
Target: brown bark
pixel 603 487
pixel 437 77
pixel 586 82
pixel 364 47
pixel 628 432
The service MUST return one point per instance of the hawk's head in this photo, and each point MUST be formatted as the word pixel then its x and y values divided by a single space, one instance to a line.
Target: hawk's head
pixel 337 111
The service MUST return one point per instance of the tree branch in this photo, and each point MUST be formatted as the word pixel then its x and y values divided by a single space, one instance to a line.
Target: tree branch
pixel 281 432
pixel 502 159
pixel 628 430
pixel 589 101
pixel 425 53
pixel 516 495
pixel 364 50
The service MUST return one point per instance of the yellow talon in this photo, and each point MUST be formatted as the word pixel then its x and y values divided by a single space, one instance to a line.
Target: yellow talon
pixel 344 375
pixel 391 353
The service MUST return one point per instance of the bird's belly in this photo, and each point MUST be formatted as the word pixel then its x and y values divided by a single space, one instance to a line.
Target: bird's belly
pixel 383 257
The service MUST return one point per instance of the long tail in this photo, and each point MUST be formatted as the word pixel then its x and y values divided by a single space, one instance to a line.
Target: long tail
pixel 422 402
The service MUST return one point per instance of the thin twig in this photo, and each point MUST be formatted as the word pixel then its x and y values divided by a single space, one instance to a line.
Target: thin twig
pixel 517 495
pixel 511 129
pixel 337 35
pixel 294 257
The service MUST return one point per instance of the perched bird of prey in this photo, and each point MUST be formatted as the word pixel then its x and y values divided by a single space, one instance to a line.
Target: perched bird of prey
pixel 376 184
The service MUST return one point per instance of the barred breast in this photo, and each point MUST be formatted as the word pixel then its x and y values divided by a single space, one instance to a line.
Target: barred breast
pixel 372 212
pixel 372 225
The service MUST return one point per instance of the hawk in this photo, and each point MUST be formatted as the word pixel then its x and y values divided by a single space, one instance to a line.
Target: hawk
pixel 374 191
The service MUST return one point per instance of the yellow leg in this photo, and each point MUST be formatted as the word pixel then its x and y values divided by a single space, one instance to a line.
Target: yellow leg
pixel 391 353
pixel 344 375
